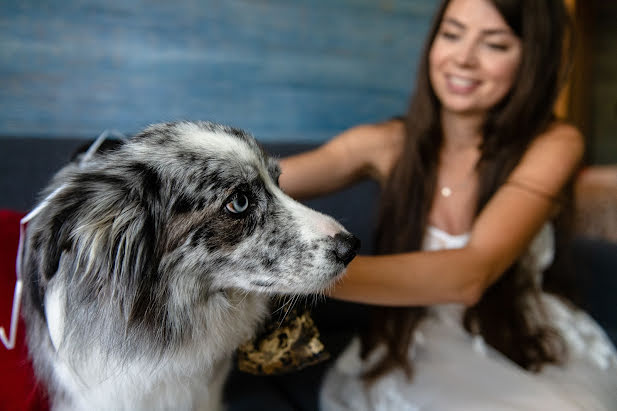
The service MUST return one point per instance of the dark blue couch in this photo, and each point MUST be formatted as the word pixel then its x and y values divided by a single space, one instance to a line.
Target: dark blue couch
pixel 26 164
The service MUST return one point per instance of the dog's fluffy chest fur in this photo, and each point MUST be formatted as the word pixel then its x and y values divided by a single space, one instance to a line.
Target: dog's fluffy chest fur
pixel 189 377
pixel 155 260
pixel 141 385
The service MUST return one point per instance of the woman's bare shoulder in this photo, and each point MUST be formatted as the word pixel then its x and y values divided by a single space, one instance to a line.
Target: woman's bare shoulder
pixel 560 142
pixel 380 144
pixel 563 134
pixel 552 158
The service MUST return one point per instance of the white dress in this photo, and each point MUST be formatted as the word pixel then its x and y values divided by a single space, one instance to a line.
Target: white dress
pixel 456 371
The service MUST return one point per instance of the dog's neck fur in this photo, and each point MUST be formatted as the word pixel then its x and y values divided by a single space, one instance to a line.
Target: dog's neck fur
pixel 190 378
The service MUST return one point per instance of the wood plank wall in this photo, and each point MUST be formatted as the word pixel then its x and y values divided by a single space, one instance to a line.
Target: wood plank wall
pixel 298 70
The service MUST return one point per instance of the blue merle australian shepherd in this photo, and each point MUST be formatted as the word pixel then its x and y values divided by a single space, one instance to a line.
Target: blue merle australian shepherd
pixel 157 259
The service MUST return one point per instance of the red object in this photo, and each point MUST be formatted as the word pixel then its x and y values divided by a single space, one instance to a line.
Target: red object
pixel 19 389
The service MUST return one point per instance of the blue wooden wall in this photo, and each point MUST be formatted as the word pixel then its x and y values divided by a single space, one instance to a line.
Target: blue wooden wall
pixel 295 70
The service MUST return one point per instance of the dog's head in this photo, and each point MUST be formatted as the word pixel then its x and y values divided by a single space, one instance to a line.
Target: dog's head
pixel 177 213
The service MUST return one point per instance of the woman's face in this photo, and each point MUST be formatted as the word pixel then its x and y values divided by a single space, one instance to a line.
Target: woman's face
pixel 474 58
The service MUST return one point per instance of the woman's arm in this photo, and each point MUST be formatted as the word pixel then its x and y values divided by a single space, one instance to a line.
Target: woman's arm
pixel 360 152
pixel 500 234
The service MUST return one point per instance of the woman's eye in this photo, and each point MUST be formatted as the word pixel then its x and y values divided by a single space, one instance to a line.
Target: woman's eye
pixel 239 203
pixel 498 47
pixel 449 36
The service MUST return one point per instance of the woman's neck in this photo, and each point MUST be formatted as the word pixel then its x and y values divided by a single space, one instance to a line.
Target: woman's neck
pixel 461 131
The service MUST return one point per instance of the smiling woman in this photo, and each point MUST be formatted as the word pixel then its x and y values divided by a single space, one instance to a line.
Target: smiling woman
pixel 474 58
pixel 476 191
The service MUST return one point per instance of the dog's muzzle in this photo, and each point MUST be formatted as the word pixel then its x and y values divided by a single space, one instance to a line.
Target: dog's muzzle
pixel 346 247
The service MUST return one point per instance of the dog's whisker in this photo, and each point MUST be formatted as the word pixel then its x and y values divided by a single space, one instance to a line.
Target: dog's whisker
pixel 317 298
pixel 284 302
pixel 293 301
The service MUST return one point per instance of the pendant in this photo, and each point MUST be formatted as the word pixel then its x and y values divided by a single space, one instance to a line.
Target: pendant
pixel 446 191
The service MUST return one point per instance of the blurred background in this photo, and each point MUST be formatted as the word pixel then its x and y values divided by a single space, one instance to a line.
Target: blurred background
pixel 298 71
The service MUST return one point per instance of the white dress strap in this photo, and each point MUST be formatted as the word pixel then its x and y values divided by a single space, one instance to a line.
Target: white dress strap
pixel 438 239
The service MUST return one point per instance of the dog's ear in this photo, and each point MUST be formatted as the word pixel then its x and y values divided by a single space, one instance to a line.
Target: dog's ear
pixel 49 235
pixel 104 224
pixel 131 253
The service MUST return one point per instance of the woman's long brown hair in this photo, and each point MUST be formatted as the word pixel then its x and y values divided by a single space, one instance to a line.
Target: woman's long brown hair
pixel 502 315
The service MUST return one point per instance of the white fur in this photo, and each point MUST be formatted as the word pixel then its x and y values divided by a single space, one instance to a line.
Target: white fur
pixel 189 379
pixel 54 312
pixel 86 348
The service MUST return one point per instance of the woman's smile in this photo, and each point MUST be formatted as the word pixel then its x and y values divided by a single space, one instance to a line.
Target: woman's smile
pixel 461 85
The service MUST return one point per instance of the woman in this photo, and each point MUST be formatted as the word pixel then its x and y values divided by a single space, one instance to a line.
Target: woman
pixel 472 181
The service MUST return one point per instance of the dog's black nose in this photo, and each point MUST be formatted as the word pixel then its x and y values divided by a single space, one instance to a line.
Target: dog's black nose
pixel 346 247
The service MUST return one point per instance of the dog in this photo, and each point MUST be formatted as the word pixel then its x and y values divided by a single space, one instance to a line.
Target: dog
pixel 154 261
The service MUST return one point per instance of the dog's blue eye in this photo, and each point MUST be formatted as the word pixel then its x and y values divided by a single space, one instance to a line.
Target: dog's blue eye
pixel 238 204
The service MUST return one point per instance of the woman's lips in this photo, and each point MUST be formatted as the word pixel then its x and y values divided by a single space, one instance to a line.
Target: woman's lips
pixel 461 85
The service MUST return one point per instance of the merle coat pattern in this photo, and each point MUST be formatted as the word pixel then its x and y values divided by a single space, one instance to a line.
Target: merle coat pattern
pixel 155 261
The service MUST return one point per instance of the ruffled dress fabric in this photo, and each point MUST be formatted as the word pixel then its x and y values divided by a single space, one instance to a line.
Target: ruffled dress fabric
pixel 454 370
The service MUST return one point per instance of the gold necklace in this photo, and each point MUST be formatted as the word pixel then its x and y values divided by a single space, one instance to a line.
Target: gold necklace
pixel 447 190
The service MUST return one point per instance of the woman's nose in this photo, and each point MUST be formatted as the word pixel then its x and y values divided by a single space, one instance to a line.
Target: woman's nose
pixel 465 54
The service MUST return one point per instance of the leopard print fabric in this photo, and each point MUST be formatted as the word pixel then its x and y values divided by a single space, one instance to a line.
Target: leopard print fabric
pixel 284 345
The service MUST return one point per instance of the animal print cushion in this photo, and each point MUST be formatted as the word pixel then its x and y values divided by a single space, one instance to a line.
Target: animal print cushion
pixel 285 345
